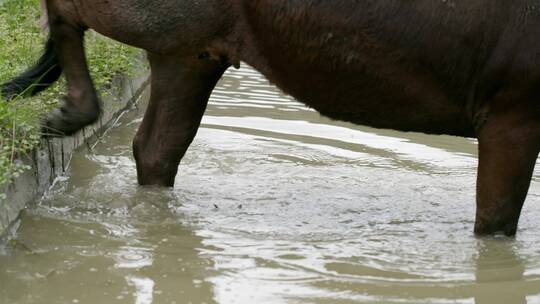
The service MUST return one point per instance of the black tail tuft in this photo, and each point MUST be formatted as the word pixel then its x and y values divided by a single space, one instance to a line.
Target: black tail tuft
pixel 38 78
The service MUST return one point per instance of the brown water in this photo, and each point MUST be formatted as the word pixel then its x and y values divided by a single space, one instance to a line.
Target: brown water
pixel 272 204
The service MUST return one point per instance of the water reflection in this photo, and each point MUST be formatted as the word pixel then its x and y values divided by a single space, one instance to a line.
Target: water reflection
pixel 500 272
pixel 273 204
pixel 144 289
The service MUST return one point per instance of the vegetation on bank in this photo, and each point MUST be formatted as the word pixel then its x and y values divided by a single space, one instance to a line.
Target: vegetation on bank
pixel 21 44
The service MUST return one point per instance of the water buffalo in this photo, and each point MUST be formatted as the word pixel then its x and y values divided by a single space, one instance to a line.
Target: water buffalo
pixel 465 68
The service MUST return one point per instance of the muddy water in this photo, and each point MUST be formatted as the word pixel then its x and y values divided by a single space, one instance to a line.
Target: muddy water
pixel 272 204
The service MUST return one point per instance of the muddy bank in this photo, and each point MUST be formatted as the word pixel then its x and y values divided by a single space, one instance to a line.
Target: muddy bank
pixel 51 158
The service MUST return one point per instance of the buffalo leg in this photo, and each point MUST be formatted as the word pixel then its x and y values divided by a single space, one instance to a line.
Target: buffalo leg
pixel 180 91
pixel 509 143
pixel 80 106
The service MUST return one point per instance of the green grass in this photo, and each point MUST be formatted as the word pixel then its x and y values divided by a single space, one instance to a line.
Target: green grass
pixel 21 44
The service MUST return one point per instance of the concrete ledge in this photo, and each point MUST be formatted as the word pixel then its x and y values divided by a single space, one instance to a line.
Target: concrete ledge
pixel 51 158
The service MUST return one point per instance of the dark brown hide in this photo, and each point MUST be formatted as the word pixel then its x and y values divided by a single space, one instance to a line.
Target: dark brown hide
pixel 466 68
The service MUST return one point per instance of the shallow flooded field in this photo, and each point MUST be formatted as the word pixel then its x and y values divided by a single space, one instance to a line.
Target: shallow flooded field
pixel 272 204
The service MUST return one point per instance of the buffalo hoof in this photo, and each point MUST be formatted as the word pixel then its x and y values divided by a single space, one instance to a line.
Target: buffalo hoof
pixel 66 120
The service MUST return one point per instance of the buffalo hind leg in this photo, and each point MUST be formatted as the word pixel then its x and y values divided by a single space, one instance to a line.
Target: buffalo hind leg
pixel 180 89
pixel 81 106
pixel 509 143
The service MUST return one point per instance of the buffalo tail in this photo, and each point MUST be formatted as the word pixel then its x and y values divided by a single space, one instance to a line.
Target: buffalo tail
pixel 36 79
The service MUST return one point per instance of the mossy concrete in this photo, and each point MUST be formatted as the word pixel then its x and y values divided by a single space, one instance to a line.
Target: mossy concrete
pixel 51 158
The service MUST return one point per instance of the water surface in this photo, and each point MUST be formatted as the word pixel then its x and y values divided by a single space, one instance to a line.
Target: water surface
pixel 272 204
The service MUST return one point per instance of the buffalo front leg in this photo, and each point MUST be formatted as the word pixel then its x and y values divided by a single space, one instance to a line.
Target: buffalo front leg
pixel 180 88
pixel 508 147
pixel 81 106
